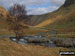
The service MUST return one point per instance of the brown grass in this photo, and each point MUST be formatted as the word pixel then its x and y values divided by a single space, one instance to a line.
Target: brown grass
pixel 8 48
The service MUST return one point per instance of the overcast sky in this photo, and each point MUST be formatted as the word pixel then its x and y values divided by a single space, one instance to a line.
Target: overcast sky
pixel 35 7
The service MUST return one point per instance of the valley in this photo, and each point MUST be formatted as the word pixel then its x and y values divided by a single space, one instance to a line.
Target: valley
pixel 39 35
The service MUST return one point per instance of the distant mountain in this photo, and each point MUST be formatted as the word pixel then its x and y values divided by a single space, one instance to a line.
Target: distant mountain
pixel 64 17
pixel 36 19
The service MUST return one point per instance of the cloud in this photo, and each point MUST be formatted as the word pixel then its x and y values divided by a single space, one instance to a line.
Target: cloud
pixel 35 6
pixel 42 10
pixel 57 2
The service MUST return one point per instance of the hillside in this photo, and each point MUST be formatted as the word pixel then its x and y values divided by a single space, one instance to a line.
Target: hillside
pixel 3 23
pixel 3 12
pixel 65 13
pixel 66 21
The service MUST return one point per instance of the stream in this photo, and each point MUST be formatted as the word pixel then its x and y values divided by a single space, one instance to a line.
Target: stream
pixel 36 40
pixel 43 41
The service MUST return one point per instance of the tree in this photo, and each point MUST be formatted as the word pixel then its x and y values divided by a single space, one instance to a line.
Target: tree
pixel 19 13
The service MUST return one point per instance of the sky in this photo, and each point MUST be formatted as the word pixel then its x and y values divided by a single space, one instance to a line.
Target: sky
pixel 35 7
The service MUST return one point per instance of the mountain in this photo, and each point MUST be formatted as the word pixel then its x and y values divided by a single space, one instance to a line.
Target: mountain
pixel 68 3
pixel 64 17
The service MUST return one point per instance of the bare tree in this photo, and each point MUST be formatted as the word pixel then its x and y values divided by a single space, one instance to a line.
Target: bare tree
pixel 19 13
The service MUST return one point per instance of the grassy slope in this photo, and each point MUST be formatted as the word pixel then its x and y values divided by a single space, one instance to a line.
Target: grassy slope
pixel 67 21
pixel 8 48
